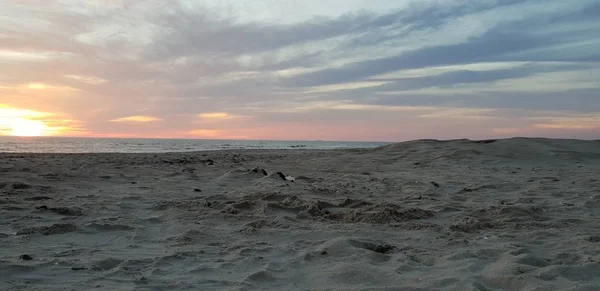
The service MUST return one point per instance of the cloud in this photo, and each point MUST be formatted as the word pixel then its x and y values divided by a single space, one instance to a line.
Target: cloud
pixel 9 112
pixel 136 118
pixel 212 116
pixel 577 122
pixel 493 46
pixel 17 56
pixel 568 126
pixel 500 40
pixel 460 113
pixel 87 79
pixel 325 106
pixel 345 86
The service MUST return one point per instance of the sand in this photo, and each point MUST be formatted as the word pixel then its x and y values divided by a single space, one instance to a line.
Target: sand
pixel 515 214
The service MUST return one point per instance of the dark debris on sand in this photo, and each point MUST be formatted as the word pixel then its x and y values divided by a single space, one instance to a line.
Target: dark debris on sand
pixel 57 228
pixel 20 186
pixel 70 211
pixel 260 170
pixel 37 198
pixel 25 257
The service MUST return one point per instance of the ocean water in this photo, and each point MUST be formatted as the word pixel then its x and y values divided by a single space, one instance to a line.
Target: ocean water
pixel 9 144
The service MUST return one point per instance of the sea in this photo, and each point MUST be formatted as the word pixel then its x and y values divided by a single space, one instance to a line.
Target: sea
pixel 12 144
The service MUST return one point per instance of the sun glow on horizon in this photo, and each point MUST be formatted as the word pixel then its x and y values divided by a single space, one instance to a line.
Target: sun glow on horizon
pixel 26 127
pixel 22 122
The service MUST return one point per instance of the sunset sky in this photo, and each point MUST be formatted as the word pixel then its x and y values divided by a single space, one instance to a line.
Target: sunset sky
pixel 374 70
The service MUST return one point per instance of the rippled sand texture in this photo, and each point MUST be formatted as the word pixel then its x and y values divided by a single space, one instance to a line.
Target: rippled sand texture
pixel 517 214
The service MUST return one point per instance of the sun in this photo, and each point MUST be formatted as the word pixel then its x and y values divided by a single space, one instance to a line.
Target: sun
pixel 26 122
pixel 26 127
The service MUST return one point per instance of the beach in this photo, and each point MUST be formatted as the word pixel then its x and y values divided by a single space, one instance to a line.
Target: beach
pixel 510 214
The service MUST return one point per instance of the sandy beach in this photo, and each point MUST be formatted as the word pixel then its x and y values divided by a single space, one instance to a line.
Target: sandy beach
pixel 514 214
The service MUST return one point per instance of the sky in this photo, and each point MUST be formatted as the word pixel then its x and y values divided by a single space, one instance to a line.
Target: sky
pixel 371 70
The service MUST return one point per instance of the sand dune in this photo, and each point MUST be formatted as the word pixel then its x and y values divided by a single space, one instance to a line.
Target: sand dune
pixel 514 214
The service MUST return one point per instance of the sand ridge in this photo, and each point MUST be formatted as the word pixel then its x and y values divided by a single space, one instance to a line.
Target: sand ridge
pixel 514 214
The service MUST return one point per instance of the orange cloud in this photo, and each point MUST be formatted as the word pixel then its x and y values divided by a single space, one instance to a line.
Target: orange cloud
pixel 575 122
pixel 460 113
pixel 567 126
pixel 19 56
pixel 136 118
pixel 47 87
pixel 219 116
pixel 297 107
pixel 215 115
pixel 36 86
pixel 87 79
